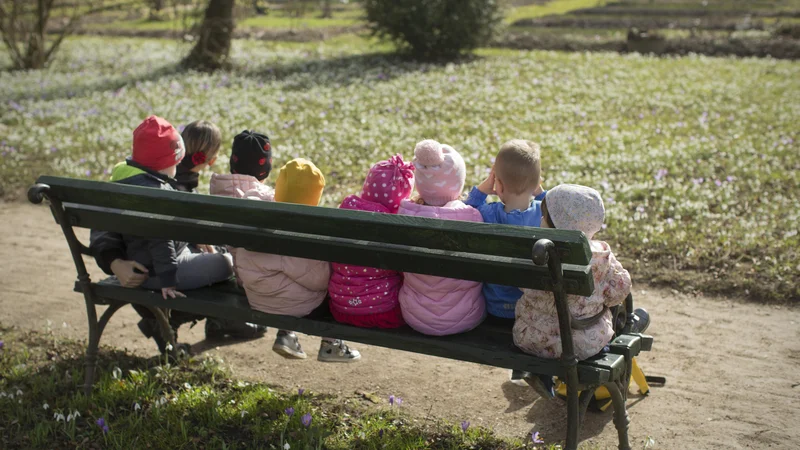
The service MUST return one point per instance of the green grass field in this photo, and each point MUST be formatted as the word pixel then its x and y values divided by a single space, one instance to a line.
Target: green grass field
pixel 140 403
pixel 697 158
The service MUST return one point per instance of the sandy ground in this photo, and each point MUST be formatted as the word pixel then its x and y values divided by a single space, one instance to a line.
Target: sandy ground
pixel 732 367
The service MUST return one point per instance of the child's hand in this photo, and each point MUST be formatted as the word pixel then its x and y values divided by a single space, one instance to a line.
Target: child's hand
pixel 487 185
pixel 206 248
pixel 126 272
pixel 170 292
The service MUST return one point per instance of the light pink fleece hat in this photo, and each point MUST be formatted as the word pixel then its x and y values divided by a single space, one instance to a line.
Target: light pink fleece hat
pixel 575 207
pixel 389 182
pixel 440 172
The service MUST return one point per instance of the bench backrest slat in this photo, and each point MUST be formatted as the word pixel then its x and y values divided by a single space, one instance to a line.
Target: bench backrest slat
pixel 479 238
pixel 469 266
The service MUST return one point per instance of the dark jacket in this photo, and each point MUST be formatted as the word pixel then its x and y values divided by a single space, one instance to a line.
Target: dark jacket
pixel 158 255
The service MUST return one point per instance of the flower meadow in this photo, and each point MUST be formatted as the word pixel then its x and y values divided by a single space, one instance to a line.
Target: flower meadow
pixel 140 403
pixel 696 157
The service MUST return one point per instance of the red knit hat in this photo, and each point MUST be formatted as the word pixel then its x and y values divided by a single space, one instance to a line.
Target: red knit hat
pixel 157 145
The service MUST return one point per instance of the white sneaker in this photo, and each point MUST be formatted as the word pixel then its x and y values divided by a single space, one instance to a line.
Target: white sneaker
pixel 288 346
pixel 337 351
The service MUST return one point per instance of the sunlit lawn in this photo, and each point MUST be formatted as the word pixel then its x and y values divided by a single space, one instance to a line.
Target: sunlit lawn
pixel 696 157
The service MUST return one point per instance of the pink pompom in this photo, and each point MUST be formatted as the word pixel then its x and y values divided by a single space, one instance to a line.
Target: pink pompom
pixel 429 153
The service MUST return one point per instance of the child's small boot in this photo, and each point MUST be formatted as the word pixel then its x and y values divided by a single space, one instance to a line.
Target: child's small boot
pixel 335 350
pixel 641 320
pixel 287 345
pixel 219 328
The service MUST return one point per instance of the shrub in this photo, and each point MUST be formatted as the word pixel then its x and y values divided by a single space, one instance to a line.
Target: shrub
pixel 434 29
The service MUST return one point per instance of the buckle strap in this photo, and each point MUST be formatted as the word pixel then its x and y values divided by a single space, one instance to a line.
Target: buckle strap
pixel 582 324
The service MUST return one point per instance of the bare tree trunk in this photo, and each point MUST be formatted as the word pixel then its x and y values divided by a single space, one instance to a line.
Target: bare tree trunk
pixel 327 9
pixel 214 38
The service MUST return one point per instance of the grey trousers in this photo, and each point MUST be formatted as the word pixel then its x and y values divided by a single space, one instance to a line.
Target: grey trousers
pixel 196 270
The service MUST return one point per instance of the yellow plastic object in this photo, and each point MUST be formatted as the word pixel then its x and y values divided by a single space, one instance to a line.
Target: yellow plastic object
pixel 601 394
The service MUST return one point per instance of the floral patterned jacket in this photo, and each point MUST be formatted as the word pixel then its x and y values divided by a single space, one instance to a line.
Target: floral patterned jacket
pixel 536 328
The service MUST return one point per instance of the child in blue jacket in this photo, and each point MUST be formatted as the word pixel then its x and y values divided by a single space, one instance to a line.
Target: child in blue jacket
pixel 516 179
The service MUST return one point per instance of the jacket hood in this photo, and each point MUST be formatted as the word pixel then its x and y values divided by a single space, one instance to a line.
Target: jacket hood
pixel 453 210
pixel 357 203
pixel 123 171
pixel 240 186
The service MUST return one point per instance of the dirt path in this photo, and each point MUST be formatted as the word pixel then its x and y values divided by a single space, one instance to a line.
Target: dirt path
pixel 732 368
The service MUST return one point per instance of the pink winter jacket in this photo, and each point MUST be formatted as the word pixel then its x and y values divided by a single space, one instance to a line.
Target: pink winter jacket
pixel 435 305
pixel 536 327
pixel 365 291
pixel 274 284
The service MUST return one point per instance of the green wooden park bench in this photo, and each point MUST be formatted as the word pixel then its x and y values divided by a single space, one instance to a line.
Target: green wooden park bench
pixel 545 259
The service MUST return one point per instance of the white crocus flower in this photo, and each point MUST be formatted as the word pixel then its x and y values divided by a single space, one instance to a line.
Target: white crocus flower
pixel 46 406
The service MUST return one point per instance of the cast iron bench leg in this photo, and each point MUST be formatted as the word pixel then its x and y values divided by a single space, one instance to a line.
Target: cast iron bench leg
pixel 96 328
pixel 621 420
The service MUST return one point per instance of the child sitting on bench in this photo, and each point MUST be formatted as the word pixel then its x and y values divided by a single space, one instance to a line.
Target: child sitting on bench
pixel 365 296
pixel 278 284
pixel 435 305
pixel 536 330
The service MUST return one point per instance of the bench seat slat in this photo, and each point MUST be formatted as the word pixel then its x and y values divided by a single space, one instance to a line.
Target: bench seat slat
pixel 490 343
pixel 502 270
pixel 489 239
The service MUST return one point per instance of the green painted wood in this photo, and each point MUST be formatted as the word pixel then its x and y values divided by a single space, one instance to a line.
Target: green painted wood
pixel 488 239
pixel 489 345
pixel 469 266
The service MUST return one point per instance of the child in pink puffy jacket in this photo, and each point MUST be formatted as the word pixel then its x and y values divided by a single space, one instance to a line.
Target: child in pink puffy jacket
pixel 435 305
pixel 364 296
pixel 536 330
pixel 279 284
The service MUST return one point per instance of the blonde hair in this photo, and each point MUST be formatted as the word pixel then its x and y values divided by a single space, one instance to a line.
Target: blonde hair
pixel 518 166
pixel 202 136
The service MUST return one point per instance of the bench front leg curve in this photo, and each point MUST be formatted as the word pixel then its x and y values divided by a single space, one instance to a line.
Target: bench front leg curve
pixel 621 420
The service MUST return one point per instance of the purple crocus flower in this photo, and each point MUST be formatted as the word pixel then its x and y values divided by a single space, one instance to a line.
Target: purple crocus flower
pixel 300 391
pixel 536 438
pixel 670 220
pixel 2 344
pixel 398 400
pixel 306 420
pixel 661 174
pixel 105 429
pixel 464 425
pixel 718 183
pixel 730 178
pixel 101 422
pixel 289 411
pixel 391 400
pixel 380 432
